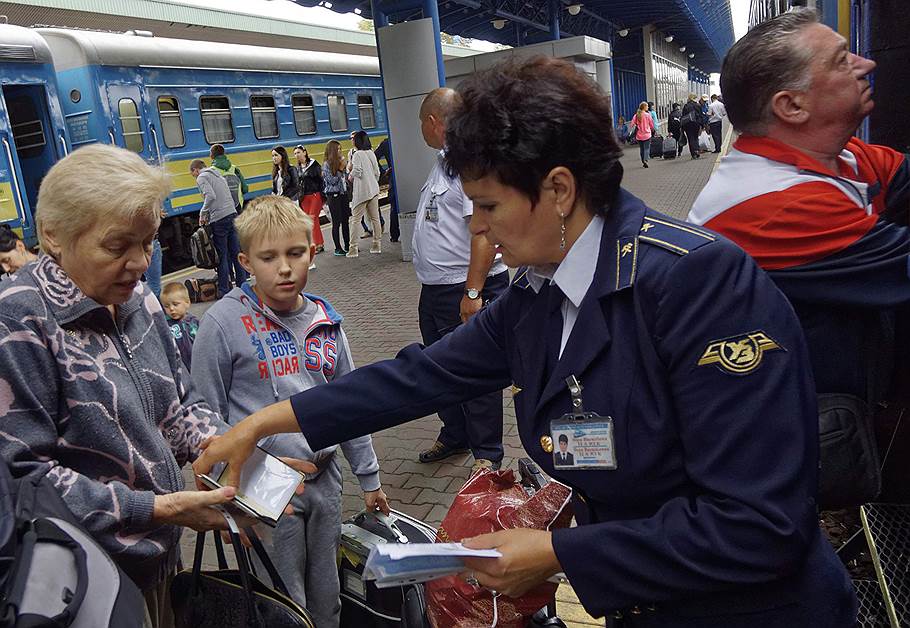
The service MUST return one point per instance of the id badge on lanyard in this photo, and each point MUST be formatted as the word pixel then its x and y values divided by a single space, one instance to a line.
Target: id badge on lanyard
pixel 582 440
pixel 432 211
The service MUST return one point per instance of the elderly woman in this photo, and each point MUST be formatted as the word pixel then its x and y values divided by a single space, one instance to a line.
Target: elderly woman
pixel 92 391
pixel 665 359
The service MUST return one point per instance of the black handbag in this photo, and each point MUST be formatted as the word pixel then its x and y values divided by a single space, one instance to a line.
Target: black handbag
pixel 849 463
pixel 234 598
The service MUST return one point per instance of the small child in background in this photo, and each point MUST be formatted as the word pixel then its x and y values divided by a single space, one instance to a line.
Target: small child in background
pixel 175 299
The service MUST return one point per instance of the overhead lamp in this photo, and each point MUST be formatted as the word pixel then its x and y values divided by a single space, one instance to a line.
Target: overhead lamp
pixel 327 5
pixel 691 55
pixel 357 11
pixel 682 48
pixel 668 38
pixel 499 24
pixel 574 9
pixel 622 32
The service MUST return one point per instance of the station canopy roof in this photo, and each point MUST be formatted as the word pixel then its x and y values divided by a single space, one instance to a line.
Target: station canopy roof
pixel 705 27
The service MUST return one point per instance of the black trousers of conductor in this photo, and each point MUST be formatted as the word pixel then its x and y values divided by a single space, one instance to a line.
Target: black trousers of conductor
pixel 476 424
pixel 715 130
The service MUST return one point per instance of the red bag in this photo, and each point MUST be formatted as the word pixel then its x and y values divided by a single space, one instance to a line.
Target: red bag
pixel 491 501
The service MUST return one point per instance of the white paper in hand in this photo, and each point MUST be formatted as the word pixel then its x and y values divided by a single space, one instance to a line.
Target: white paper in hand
pixel 394 564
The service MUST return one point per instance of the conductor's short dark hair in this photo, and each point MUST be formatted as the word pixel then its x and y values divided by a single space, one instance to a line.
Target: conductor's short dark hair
pixel 563 439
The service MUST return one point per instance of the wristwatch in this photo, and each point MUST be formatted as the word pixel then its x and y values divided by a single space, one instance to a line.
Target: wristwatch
pixel 472 293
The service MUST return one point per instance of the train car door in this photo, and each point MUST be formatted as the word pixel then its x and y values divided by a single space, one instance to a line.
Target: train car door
pixel 128 120
pixel 30 148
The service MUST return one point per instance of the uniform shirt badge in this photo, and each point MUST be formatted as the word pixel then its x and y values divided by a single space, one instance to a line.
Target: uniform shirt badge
pixel 739 355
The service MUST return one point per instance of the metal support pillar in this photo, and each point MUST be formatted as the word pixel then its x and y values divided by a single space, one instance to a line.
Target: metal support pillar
pixel 554 18
pixel 431 10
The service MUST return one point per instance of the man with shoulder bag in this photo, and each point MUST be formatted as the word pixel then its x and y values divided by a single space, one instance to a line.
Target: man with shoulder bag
pixel 826 215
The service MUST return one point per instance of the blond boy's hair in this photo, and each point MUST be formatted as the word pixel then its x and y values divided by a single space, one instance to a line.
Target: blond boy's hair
pixel 269 216
pixel 175 288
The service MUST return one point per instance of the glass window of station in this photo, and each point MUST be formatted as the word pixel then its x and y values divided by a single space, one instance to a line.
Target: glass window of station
pixel 171 123
pixel 366 111
pixel 216 119
pixel 265 116
pixel 130 123
pixel 338 113
pixel 304 114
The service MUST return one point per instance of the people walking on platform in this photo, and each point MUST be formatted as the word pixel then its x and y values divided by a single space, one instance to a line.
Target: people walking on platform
pixel 95 397
pixel 674 128
pixel 312 191
pixel 285 181
pixel 231 174
pixel 364 177
pixel 334 178
pixel 219 213
pixel 458 272
pixel 716 114
pixel 653 112
pixel 239 368
pixel 675 393
pixel 822 211
pixel 365 227
pixel 692 124
pixel 643 124
pixel 387 177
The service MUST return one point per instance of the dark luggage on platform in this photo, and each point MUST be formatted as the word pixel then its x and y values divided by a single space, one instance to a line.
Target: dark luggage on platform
pixel 657 146
pixel 670 148
pixel 52 572
pixel 363 605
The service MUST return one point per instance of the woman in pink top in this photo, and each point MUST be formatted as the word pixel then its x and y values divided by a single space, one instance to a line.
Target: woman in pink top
pixel 644 128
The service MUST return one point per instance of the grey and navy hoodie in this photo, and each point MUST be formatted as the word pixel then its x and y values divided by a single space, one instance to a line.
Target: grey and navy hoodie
pixel 246 357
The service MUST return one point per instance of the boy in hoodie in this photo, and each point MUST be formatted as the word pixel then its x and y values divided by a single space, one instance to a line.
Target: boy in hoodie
pixel 263 342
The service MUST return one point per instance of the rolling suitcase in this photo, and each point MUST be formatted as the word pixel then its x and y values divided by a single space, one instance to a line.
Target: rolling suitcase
pixel 657 146
pixel 363 605
pixel 670 148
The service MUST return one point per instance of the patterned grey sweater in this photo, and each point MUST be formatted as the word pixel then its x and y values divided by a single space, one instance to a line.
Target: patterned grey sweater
pixel 104 408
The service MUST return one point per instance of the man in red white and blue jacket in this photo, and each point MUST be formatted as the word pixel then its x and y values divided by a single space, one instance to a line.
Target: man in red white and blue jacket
pixel 823 212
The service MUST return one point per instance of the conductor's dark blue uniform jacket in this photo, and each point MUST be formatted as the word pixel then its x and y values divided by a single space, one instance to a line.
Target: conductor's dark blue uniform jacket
pixel 709 518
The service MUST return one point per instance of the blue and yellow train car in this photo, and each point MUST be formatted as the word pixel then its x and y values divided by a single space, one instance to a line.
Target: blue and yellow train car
pixel 169 100
pixel 32 129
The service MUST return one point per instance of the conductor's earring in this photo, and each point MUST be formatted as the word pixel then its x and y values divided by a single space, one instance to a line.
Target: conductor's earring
pixel 562 232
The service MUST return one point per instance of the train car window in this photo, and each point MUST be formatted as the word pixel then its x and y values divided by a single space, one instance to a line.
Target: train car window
pixel 171 123
pixel 304 114
pixel 132 127
pixel 338 113
pixel 366 111
pixel 216 119
pixel 265 117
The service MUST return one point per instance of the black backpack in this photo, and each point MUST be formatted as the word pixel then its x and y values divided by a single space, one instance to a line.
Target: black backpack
pixel 203 249
pixel 53 574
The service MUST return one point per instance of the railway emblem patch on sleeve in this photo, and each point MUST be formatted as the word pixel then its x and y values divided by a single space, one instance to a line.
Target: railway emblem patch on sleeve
pixel 739 355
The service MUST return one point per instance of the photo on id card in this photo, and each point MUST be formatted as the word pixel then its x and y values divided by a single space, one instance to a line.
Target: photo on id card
pixel 266 485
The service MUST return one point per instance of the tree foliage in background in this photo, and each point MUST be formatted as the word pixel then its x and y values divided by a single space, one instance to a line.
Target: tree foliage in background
pixel 451 40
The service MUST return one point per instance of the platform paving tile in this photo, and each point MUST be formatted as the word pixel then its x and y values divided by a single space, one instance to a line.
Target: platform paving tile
pixel 378 294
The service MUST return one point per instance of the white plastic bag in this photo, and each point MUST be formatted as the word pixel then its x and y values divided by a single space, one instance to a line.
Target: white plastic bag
pixel 704 141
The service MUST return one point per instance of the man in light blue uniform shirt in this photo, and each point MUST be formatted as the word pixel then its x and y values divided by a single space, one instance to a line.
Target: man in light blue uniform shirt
pixel 458 273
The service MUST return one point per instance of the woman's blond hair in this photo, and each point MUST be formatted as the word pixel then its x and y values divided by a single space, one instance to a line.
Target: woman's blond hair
pixel 270 216
pixel 642 110
pixel 97 182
